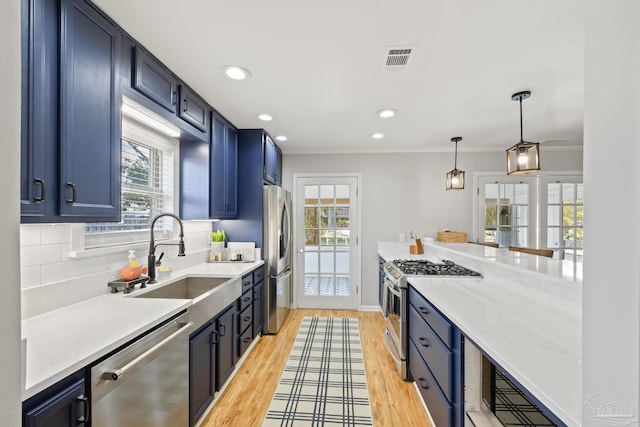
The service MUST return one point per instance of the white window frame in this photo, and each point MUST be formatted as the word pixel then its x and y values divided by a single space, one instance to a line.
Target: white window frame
pixel 81 244
pixel 537 196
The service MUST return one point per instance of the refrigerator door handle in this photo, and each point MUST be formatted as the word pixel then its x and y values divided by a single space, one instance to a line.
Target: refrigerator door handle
pixel 282 275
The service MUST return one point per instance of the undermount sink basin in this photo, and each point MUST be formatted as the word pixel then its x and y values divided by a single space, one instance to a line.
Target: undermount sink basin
pixel 189 288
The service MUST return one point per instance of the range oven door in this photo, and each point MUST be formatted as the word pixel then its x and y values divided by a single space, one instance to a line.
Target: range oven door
pixel 395 316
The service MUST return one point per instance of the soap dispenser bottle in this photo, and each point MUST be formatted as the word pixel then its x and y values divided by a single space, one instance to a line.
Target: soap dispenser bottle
pixel 132 259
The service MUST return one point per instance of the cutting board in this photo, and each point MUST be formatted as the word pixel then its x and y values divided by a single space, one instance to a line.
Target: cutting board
pixel 247 249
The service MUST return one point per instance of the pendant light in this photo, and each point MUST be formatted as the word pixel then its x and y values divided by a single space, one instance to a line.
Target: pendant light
pixel 524 157
pixel 455 178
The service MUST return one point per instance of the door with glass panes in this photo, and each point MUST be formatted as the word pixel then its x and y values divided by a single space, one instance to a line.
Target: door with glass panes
pixel 507 211
pixel 326 226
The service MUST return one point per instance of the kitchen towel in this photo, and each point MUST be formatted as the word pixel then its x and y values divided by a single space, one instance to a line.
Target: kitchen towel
pixel 324 382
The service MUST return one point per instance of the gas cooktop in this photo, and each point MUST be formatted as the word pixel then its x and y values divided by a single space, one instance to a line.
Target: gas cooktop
pixel 412 267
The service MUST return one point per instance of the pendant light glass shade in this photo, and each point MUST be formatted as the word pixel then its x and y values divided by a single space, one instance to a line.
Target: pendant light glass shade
pixel 524 157
pixel 455 177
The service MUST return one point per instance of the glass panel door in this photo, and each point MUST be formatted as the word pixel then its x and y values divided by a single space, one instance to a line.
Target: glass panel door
pixel 327 223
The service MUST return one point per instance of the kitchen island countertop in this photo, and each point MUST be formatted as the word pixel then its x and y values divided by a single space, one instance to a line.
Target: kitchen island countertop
pixel 62 341
pixel 529 326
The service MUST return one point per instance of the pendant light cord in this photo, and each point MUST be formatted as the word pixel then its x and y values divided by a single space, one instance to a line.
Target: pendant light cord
pixel 521 138
pixel 455 159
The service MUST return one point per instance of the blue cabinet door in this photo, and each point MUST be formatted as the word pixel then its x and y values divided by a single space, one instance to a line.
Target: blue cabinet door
pixel 193 109
pixel 270 160
pixel 66 408
pixel 39 127
pixel 90 126
pixel 194 180
pixel 223 170
pixel 226 327
pixel 153 80
pixel 202 371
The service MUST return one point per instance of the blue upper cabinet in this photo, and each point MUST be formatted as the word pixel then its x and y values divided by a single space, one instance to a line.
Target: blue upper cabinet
pixel 90 126
pixel 272 167
pixel 223 170
pixel 154 80
pixel 193 109
pixel 70 164
pixel 39 128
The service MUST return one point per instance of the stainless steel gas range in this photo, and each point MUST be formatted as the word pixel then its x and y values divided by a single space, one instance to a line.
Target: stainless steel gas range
pixel 395 302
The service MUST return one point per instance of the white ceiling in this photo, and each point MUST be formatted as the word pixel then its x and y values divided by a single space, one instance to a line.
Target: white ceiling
pixel 317 68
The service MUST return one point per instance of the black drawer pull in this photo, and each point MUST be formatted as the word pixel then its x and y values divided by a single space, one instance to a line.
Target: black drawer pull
pixel 186 105
pixel 246 340
pixel 423 383
pixel 246 299
pixel 214 338
pixel 222 330
pixel 246 319
pixel 423 310
pixel 87 408
pixel 423 341
pixel 174 97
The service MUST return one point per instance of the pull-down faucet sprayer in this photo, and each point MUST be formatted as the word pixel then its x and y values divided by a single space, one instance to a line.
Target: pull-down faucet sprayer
pixel 151 261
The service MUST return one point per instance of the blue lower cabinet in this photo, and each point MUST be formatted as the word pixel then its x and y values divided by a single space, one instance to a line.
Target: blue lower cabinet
pixel 225 354
pixel 438 405
pixel 436 361
pixel 202 370
pixel 63 405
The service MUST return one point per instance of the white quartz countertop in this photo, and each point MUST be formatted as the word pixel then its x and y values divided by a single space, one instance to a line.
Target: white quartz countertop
pixel 60 342
pixel 532 332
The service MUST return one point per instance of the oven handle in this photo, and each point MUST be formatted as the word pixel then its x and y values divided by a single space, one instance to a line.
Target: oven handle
pixel 387 336
pixel 116 374
pixel 392 288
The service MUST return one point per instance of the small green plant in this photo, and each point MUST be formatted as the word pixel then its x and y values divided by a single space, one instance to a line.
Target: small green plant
pixel 218 236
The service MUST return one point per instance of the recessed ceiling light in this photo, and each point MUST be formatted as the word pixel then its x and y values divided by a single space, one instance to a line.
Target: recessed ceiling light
pixel 281 138
pixel 265 117
pixel 377 135
pixel 236 72
pixel 387 113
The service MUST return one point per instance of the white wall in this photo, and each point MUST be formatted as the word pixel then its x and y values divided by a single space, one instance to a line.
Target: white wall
pixel 10 408
pixel 406 191
pixel 611 295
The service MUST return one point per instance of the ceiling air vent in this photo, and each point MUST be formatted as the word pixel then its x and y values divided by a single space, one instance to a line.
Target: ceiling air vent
pixel 398 58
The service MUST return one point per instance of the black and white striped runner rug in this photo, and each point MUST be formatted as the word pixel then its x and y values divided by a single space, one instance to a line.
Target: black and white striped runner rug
pixel 324 382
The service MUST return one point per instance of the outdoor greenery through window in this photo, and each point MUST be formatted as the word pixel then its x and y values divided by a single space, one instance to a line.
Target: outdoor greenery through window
pixel 543 212
pixel 147 167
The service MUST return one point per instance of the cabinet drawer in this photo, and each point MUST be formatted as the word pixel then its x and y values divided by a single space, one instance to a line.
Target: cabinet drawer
pixel 244 341
pixel 246 316
pixel 437 356
pixel 258 275
pixel 438 323
pixel 246 299
pixel 247 282
pixel 437 403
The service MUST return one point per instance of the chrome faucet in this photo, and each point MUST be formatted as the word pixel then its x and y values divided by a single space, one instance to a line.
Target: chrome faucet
pixel 151 261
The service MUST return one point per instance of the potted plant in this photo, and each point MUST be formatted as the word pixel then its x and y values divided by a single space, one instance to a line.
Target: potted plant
pixel 217 244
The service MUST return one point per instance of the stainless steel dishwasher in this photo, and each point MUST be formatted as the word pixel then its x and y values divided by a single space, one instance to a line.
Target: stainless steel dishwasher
pixel 145 383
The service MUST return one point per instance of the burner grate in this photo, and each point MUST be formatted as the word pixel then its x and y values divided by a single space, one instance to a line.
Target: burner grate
pixel 429 268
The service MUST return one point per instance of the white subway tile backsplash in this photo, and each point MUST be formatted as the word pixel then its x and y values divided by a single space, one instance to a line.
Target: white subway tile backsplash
pixel 29 276
pixel 35 255
pixel 59 271
pixel 55 233
pixel 30 235
pixel 93 265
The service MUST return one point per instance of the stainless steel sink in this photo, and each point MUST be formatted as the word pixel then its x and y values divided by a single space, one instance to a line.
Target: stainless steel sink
pixel 189 288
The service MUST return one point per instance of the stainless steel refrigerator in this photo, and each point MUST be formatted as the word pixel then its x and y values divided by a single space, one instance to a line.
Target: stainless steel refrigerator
pixel 277 243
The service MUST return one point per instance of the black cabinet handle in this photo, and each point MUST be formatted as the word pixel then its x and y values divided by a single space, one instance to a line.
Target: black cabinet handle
pixel 222 330
pixel 174 97
pixel 87 408
pixel 247 299
pixel 186 105
pixel 72 200
pixel 247 318
pixel 246 340
pixel 423 341
pixel 43 190
pixel 214 337
pixel 423 310
pixel 423 383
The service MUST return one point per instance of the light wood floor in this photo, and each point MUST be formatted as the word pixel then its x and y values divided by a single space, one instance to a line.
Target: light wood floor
pixel 246 399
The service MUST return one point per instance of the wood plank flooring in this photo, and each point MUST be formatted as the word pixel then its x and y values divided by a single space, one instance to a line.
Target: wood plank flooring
pixel 246 399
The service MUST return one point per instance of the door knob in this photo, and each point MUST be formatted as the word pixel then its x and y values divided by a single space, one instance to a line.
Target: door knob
pixel 301 251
